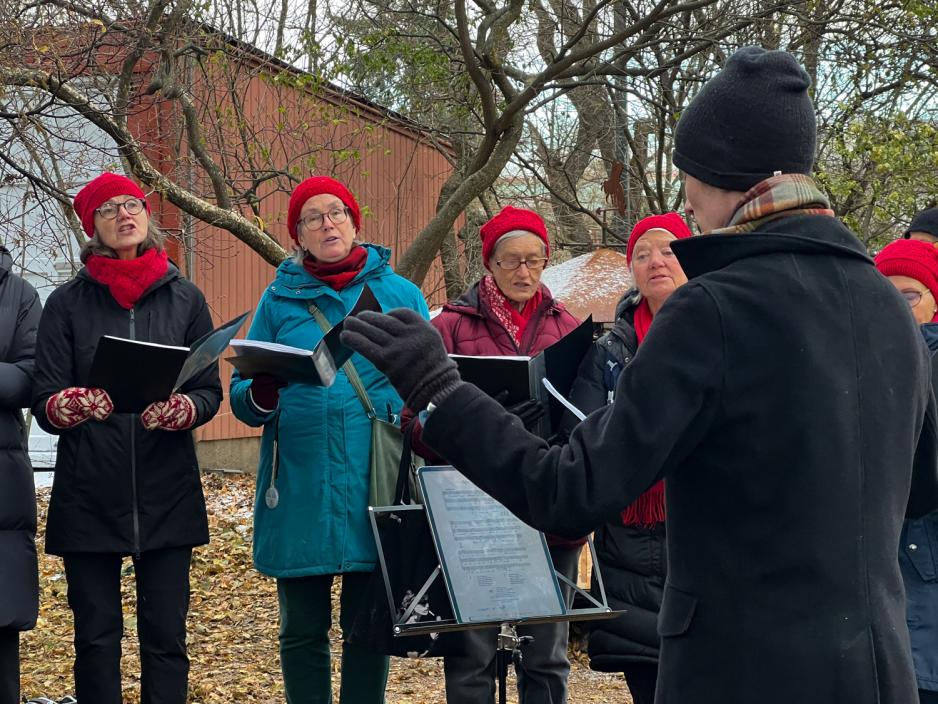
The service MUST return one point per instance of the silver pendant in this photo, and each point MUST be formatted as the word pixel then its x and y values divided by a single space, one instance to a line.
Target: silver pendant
pixel 272 497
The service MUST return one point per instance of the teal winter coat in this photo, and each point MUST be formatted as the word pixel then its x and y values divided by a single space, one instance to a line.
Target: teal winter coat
pixel 321 523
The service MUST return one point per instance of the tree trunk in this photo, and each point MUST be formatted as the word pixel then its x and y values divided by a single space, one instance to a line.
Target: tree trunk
pixel 416 261
pixel 281 26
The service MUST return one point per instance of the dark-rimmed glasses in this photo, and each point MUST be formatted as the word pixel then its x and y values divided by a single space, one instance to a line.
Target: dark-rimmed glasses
pixel 532 263
pixel 315 221
pixel 133 206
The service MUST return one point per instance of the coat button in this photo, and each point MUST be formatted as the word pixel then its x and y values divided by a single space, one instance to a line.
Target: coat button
pixel 913 546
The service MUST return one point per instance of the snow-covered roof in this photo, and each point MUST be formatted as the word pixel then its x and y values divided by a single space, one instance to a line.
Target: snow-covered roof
pixel 590 284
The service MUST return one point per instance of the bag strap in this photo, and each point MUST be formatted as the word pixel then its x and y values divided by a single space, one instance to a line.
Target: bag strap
pixel 349 368
pixel 402 490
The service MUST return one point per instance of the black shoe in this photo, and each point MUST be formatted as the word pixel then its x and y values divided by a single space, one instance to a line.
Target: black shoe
pixel 68 699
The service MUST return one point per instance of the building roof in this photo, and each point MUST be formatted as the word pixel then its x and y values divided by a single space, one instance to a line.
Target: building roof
pixel 327 89
pixel 590 284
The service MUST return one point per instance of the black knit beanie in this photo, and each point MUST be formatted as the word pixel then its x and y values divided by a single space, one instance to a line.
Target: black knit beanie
pixel 752 119
pixel 925 221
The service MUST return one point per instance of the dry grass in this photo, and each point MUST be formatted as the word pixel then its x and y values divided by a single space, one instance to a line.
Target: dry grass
pixel 233 626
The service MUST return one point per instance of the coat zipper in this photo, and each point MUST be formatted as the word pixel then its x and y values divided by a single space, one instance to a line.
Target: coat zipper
pixel 133 462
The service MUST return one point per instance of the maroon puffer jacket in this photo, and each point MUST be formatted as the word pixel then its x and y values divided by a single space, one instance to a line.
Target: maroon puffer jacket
pixel 469 327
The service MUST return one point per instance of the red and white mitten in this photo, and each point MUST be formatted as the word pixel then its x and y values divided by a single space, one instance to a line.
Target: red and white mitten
pixel 76 404
pixel 175 413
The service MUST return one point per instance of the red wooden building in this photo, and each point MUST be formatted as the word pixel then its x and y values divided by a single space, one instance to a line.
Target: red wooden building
pixel 254 107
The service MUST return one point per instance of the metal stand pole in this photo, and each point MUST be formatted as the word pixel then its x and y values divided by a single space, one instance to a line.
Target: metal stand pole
pixel 508 650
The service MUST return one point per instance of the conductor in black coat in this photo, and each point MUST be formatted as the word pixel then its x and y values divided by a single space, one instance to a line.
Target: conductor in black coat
pixel 19 579
pixel 789 429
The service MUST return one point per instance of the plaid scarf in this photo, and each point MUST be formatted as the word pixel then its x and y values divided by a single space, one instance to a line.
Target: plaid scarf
pixel 777 197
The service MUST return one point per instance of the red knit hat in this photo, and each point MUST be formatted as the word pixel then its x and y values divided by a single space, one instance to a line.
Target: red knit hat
pixel 508 220
pixel 670 222
pixel 912 258
pixel 314 186
pixel 99 190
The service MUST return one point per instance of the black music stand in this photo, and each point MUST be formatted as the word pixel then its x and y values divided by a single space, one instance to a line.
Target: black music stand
pixel 496 570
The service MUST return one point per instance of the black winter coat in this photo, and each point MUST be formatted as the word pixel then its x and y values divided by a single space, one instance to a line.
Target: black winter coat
pixel 119 488
pixel 631 559
pixel 784 394
pixel 19 577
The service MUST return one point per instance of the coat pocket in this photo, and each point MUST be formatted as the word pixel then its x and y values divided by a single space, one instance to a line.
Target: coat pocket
pixel 921 546
pixel 677 611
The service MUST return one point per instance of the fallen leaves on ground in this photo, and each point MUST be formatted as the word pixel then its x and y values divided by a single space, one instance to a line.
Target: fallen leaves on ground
pixel 233 626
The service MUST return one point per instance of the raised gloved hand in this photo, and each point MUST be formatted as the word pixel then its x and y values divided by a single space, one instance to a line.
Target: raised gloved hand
pixel 408 350
pixel 265 391
pixel 76 404
pixel 175 413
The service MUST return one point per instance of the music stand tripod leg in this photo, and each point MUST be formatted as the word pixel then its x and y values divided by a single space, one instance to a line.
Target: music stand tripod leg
pixel 508 650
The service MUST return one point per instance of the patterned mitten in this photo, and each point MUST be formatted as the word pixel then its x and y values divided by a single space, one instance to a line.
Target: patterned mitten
pixel 175 413
pixel 76 404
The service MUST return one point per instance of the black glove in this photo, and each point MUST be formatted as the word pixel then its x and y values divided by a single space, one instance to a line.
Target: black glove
pixel 408 351
pixel 265 390
pixel 529 411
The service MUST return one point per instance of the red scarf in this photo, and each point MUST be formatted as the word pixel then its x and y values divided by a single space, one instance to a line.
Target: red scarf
pixel 128 279
pixel 338 274
pixel 505 310
pixel 647 509
pixel 642 320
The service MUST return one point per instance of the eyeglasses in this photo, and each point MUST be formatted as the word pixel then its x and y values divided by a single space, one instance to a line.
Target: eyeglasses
pixel 532 263
pixel 315 221
pixel 645 255
pixel 912 296
pixel 133 206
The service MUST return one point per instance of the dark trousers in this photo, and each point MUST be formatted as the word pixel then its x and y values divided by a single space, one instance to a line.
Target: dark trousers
pixel 641 678
pixel 542 677
pixel 94 595
pixel 9 666
pixel 305 656
pixel 927 696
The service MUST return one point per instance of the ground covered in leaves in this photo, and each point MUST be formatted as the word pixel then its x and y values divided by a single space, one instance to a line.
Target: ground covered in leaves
pixel 233 626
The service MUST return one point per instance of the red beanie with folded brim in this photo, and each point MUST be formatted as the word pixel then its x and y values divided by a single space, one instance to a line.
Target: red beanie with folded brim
pixel 510 219
pixel 913 258
pixel 669 222
pixel 317 185
pixel 99 190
